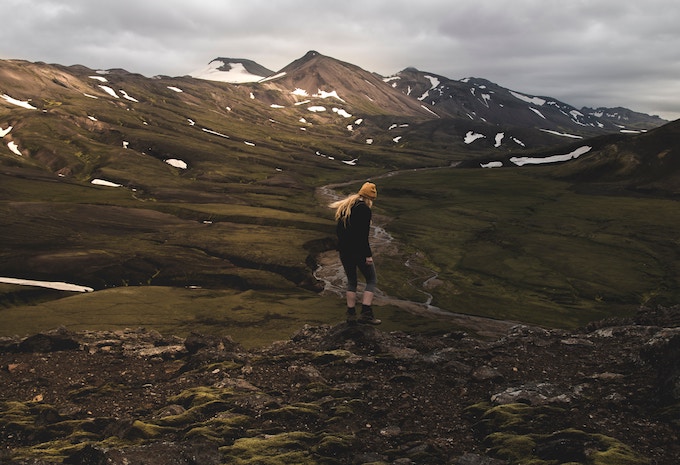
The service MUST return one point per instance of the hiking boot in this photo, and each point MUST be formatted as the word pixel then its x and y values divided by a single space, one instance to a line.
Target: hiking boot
pixel 351 317
pixel 367 317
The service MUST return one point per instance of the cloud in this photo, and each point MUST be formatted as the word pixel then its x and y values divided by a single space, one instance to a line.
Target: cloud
pixel 604 53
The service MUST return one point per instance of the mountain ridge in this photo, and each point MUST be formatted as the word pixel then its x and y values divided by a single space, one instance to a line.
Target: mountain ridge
pixel 416 81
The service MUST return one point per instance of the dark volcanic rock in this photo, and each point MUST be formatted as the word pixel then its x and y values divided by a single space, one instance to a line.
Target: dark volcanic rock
pixel 346 395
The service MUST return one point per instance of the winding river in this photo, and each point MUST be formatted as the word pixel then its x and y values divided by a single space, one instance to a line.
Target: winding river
pixel 330 272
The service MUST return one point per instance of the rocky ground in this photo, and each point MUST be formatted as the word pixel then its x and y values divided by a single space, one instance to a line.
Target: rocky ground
pixel 608 394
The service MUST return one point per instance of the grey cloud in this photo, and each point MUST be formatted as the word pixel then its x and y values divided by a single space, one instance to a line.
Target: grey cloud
pixel 602 53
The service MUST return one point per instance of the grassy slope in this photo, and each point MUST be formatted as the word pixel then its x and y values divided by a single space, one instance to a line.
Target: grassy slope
pixel 510 244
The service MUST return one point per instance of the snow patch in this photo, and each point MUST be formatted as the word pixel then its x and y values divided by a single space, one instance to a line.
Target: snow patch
pixel 210 131
pixel 46 284
pixel 176 89
pixel 235 75
pixel 176 163
pixel 14 148
pixel 103 182
pixel 109 91
pixel 521 161
pixel 126 96
pixel 537 112
pixel 341 112
pixel 271 78
pixel 533 100
pixel 4 132
pixel 434 82
pixel 324 95
pixel 430 111
pixel 19 103
pixel 470 137
pixel 563 134
pixel 492 164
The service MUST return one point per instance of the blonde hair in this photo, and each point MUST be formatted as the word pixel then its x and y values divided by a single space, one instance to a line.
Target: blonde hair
pixel 343 208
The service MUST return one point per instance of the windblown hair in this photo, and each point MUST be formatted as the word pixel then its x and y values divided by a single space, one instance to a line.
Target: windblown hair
pixel 343 208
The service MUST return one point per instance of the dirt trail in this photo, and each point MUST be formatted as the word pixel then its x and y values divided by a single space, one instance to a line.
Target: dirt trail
pixel 330 272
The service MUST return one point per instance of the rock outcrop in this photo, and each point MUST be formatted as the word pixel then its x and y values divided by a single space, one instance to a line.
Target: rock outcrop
pixel 608 394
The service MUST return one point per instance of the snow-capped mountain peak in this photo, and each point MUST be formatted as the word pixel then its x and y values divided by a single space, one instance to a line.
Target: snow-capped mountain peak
pixel 232 70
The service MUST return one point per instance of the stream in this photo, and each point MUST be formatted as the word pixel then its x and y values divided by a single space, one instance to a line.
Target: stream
pixel 331 273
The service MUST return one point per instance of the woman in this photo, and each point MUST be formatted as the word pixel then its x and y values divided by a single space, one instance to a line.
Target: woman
pixel 353 216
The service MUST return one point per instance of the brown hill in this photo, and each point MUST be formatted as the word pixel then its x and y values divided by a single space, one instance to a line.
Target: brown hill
pixel 363 91
pixel 644 163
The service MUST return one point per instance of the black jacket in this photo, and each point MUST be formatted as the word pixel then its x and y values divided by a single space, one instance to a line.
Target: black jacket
pixel 353 237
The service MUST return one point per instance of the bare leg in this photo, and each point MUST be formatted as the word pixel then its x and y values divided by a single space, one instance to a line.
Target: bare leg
pixel 367 298
pixel 351 299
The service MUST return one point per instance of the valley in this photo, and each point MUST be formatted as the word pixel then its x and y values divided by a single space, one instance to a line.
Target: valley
pixel 187 204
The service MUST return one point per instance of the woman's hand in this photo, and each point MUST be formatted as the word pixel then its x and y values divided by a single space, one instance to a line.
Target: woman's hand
pixel 369 260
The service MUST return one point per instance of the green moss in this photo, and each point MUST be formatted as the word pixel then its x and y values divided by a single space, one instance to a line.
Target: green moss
pixel 201 395
pixel 332 445
pixel 612 452
pixel 323 358
pixel 221 430
pixel 142 430
pixel 51 451
pixel 321 390
pixel 280 449
pixel 518 417
pixel 301 410
pixel 515 432
pixel 513 447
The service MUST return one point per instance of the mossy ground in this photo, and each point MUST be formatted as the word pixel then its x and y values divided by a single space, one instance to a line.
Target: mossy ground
pixel 334 395
pixel 513 244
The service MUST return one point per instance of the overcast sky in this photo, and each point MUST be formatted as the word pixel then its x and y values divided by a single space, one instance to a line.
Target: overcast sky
pixel 583 52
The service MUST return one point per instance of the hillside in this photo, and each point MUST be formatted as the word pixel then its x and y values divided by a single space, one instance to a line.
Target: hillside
pixel 603 395
pixel 200 198
pixel 648 163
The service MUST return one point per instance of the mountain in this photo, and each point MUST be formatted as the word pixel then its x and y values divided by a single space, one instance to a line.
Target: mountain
pixel 315 78
pixel 232 70
pixel 481 100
